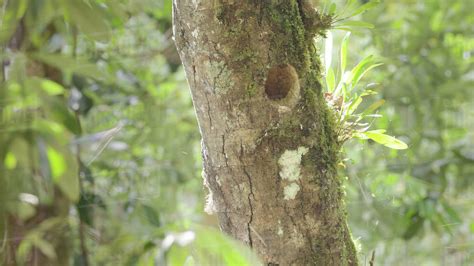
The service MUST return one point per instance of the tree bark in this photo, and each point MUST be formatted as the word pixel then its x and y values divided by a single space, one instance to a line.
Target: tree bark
pixel 268 142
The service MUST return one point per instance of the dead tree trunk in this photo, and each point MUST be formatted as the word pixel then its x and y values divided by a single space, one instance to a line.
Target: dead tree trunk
pixel 268 141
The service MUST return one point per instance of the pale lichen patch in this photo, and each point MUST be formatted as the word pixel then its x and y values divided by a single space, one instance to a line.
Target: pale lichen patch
pixel 290 163
pixel 290 191
pixel 290 169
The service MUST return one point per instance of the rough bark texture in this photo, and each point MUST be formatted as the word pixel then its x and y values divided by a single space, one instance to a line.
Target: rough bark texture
pixel 268 144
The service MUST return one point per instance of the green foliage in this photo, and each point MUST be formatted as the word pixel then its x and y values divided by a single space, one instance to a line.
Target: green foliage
pixel 350 9
pixel 344 96
pixel 96 116
pixel 415 201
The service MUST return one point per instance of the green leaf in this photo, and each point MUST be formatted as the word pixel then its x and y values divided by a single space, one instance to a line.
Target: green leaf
pixel 330 80
pixel 354 104
pixel 63 168
pixel 45 247
pixel 51 87
pixel 56 163
pixel 80 66
pixel 11 14
pixel 361 68
pixel 436 21
pixel 328 51
pixel 59 113
pixel 89 17
pixel 415 225
pixel 332 8
pixel 222 251
pixel 358 77
pixel 177 255
pixel 374 106
pixel 354 24
pixel 386 140
pixel 345 41
pixel 365 7
pixel 151 215
pixel 10 161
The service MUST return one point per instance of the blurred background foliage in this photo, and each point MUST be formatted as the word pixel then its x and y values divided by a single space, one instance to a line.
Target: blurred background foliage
pixel 100 155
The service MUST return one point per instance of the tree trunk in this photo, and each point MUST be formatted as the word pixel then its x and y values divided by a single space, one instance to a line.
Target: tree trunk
pixel 268 142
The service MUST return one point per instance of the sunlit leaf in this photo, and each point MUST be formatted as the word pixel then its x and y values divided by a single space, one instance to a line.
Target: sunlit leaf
pixel 328 51
pixel 211 247
pixel 332 8
pixel 10 161
pixel 56 162
pixel 330 79
pixel 343 59
pixel 51 87
pixel 386 140
pixel 64 169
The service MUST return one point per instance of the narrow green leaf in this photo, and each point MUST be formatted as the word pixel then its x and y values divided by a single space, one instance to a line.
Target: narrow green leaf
pixel 360 135
pixel 386 140
pixel 365 7
pixel 328 51
pixel 345 41
pixel 332 8
pixel 358 77
pixel 353 106
pixel 374 106
pixel 381 131
pixel 360 69
pixel 355 24
pixel 330 80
